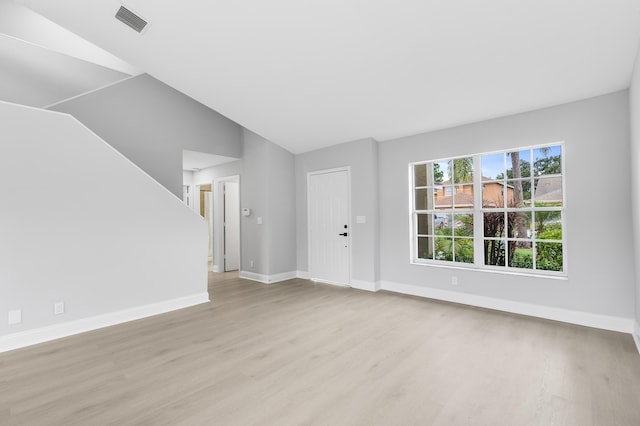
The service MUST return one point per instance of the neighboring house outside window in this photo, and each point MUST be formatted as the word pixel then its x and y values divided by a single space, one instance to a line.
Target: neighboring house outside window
pixel 503 225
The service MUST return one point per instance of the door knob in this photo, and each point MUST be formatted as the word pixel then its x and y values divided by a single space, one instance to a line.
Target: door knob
pixel 344 235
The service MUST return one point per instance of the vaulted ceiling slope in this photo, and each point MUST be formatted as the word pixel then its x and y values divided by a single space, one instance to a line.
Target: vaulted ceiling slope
pixel 307 74
pixel 43 63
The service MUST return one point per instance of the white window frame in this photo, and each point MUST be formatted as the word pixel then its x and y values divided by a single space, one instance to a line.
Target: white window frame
pixel 478 216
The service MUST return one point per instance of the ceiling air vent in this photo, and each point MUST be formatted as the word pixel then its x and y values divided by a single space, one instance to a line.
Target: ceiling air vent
pixel 131 19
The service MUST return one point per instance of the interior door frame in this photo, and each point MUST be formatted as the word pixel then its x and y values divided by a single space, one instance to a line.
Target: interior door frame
pixel 196 206
pixel 218 228
pixel 349 224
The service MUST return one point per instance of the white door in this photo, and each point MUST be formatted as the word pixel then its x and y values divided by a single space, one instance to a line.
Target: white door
pixel 231 226
pixel 329 232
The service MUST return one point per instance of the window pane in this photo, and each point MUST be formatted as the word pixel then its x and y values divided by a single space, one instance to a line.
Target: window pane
pixel 463 250
pixel 444 198
pixel 520 224
pixel 494 252
pixel 493 195
pixel 548 225
pixel 492 166
pixel 425 248
pixel 441 172
pixel 424 199
pixel 494 225
pixel 519 193
pixel 547 161
pixel 462 170
pixel 442 221
pixel 443 248
pixel 463 196
pixel 549 256
pixel 522 256
pixel 425 224
pixel 463 225
pixel 548 191
pixel 420 174
pixel 522 160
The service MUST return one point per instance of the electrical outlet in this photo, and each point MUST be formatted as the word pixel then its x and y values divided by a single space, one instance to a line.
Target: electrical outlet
pixel 58 308
pixel 14 317
pixel 251 264
pixel 454 280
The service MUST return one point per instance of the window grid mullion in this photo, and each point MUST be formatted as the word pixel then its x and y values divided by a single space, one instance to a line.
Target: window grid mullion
pixel 478 223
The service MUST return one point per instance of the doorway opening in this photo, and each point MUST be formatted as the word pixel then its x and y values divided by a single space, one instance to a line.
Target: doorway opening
pixel 231 228
pixel 206 211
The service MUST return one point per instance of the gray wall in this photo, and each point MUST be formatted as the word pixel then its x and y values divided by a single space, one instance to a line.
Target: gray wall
pixel 267 188
pixel 362 157
pixel 634 101
pixel 253 195
pixel 151 123
pixel 600 252
pixel 97 234
pixel 281 210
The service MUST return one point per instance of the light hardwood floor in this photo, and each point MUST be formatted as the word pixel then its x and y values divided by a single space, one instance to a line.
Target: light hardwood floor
pixel 298 353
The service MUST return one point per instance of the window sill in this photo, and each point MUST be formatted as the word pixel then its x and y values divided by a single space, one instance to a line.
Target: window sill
pixel 560 276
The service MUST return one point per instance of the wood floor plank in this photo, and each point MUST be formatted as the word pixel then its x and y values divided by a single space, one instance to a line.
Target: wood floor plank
pixel 302 353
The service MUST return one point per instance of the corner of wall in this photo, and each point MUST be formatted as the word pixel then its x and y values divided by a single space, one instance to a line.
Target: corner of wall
pixel 634 124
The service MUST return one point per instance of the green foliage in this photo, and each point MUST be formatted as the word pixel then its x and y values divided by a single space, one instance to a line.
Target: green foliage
pixel 461 169
pixel 547 165
pixel 542 219
pixel 522 259
pixel 438 175
pixel 463 248
pixel 549 255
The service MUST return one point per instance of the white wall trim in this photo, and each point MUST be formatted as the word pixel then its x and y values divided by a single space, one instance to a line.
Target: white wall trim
pixel 365 285
pixel 44 334
pixel 304 275
pixel 621 324
pixel 636 335
pixel 268 279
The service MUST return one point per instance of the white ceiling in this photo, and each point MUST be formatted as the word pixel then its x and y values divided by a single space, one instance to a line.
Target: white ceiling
pixel 195 161
pixel 307 74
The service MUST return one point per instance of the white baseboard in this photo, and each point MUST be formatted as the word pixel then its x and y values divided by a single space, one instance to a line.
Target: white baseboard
pixel 636 335
pixel 268 279
pixel 44 334
pixel 621 324
pixel 365 285
pixel 357 284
